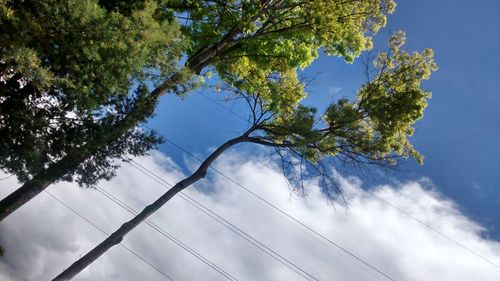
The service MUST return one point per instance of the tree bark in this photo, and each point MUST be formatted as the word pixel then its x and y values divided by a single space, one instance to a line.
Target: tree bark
pixel 116 237
pixel 54 172
pixel 72 160
pixel 37 184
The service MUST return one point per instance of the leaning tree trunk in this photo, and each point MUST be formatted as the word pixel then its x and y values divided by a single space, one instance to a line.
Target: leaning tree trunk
pixel 54 172
pixel 116 237
pixel 38 183
pixel 73 159
pixel 69 163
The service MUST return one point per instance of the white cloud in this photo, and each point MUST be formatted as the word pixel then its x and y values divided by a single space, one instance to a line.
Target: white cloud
pixel 332 90
pixel 43 237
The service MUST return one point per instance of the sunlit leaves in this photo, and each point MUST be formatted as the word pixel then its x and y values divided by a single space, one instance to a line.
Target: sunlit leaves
pixel 256 40
pixel 345 26
pixel 395 100
pixel 374 127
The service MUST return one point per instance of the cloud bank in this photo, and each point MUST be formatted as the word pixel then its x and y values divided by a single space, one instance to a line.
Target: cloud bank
pixel 44 237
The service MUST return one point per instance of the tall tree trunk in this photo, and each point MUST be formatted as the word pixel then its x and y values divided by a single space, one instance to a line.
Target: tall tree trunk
pixel 116 237
pixel 57 170
pixel 73 159
pixel 38 183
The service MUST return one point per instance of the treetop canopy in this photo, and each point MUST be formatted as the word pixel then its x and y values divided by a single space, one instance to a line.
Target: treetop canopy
pixel 99 60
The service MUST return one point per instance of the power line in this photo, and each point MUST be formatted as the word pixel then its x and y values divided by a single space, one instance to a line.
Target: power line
pixel 227 224
pixel 288 215
pixel 224 107
pixel 105 233
pixel 434 229
pixel 158 229
pixel 390 205
pixel 243 234
pixel 281 211
pixel 213 215
pixel 167 235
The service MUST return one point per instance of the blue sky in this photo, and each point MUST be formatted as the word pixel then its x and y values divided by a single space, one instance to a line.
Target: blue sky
pixel 459 134
pixel 456 192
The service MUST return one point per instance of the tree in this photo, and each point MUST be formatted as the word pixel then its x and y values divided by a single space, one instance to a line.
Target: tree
pixel 251 39
pixel 375 127
pixel 71 70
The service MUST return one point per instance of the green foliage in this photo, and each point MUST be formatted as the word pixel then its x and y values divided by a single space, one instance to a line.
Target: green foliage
pixel 255 42
pixel 67 70
pixel 125 7
pixel 83 57
pixel 82 49
pixel 37 131
pixel 101 165
pixel 374 127
pixel 294 29
pixel 395 99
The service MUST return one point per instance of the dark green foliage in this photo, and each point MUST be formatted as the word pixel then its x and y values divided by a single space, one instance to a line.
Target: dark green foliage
pixel 84 50
pixel 100 165
pixel 66 73
pixel 124 7
pixel 36 131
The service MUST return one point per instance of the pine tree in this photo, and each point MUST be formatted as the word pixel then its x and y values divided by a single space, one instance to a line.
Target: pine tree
pixel 71 71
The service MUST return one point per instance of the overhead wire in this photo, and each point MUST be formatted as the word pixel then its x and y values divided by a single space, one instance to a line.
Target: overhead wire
pixel 158 229
pixel 282 212
pixel 447 237
pixel 224 222
pixel 433 229
pixel 223 107
pixel 169 236
pixel 106 234
pixel 338 246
